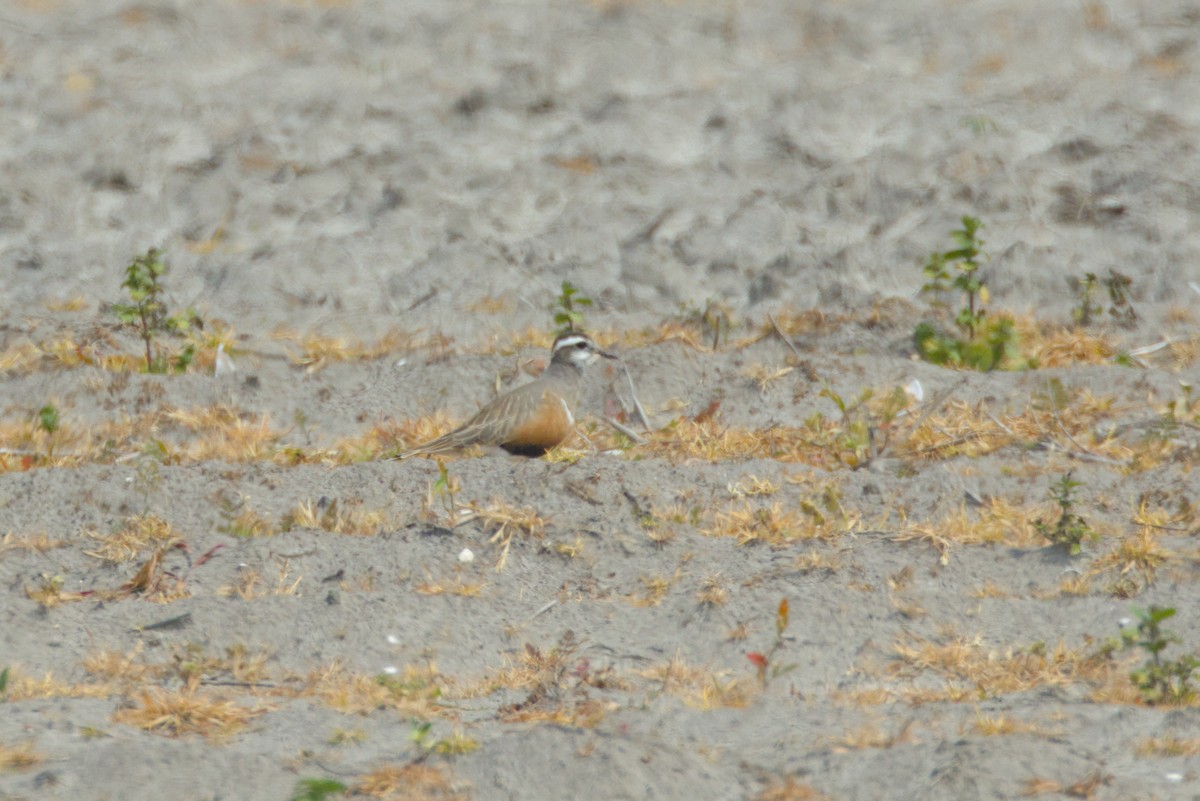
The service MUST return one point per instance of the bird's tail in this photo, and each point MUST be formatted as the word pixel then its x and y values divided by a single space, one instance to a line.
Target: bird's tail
pixel 444 443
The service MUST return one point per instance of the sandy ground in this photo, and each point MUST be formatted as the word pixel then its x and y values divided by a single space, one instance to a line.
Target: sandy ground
pixel 373 205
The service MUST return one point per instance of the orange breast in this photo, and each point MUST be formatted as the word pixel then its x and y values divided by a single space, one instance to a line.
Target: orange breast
pixel 548 426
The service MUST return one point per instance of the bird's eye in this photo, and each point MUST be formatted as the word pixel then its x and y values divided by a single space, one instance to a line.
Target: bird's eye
pixel 581 345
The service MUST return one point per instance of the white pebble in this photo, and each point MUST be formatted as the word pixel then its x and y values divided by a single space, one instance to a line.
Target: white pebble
pixel 466 556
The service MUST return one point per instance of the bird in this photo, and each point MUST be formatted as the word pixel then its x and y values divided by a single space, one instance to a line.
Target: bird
pixel 532 418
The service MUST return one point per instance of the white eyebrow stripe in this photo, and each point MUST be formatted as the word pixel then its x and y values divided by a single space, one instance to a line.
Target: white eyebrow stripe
pixel 570 342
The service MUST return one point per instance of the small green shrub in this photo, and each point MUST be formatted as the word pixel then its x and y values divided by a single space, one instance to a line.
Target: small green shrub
pixel 317 789
pixel 568 316
pixel 147 312
pixel 48 421
pixel 982 342
pixel 1162 681
pixel 1071 529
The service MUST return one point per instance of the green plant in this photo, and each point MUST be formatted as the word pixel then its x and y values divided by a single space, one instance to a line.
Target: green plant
pixel 1118 287
pixel 983 343
pixel 48 418
pixel 317 789
pixel 1071 529
pixel 1159 680
pixel 1183 409
pixel 147 312
pixel 1086 307
pixel 455 745
pixel 1120 308
pixel 568 317
pixel 856 442
pixel 763 662
pixel 444 489
pixel 48 421
pixel 3 683
pixel 965 260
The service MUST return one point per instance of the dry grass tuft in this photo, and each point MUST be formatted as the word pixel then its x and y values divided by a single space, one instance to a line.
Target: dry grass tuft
pixel 176 713
pixel 222 433
pixel 996 523
pixel 818 561
pixel 22 688
pixel 333 518
pixel 314 351
pixel 1134 560
pixel 794 323
pixel 22 357
pixel 764 376
pixel 654 590
pixel 127 668
pixel 415 691
pixel 1056 418
pixel 969 671
pixel 455 586
pixel 869 736
pixel 1063 347
pixel 711 441
pixel 752 486
pixel 1084 789
pixel 559 684
pixel 662 524
pixel 505 522
pixel 138 534
pixel 545 672
pixel 819 516
pixel 248 524
pixel 250 584
pixel 701 688
pixel 713 592
pixel 14 758
pixel 990 589
pixel 32 543
pixel 1002 725
pixel 1169 746
pixel 415 782
pixel 49 592
pixel 788 789
pixel 188 665
pixel 749 523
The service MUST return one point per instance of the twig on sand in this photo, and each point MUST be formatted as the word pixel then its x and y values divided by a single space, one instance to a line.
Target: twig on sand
pixel 624 429
pixel 1083 454
pixel 786 339
pixel 546 607
pixel 1007 430
pixel 638 411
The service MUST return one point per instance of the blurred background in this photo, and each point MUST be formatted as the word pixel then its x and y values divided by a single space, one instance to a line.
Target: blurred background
pixel 360 167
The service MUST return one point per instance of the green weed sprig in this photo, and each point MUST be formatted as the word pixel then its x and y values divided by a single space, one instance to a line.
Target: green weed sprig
pixel 568 316
pixel 317 789
pixel 983 343
pixel 147 312
pixel 1162 681
pixel 1071 529
pixel 48 421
